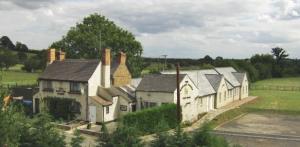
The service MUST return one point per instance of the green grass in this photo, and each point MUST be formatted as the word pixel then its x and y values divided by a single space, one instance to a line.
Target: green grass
pixel 18 77
pixel 293 81
pixel 268 101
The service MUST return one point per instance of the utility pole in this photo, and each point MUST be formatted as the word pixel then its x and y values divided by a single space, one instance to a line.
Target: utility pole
pixel 100 45
pixel 178 95
pixel 165 66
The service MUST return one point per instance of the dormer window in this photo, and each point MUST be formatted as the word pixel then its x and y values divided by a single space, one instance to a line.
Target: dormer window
pixel 75 87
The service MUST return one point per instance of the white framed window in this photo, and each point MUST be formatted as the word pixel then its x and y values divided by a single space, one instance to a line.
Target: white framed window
pixel 107 109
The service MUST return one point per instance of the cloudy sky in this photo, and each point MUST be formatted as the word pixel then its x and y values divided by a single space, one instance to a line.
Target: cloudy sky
pixel 178 28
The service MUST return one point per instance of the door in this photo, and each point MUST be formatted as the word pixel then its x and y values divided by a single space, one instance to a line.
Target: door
pixel 37 105
pixel 92 114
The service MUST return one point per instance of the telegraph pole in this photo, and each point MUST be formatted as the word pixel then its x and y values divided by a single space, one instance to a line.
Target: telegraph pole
pixel 178 95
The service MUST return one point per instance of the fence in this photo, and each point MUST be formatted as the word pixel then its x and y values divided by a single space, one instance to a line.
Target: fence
pixel 5 87
pixel 275 87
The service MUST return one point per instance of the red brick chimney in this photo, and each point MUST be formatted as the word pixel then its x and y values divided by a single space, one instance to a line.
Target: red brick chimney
pixel 51 56
pixel 122 58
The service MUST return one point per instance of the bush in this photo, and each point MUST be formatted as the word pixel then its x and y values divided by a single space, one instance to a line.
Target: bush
pixel 62 108
pixel 146 121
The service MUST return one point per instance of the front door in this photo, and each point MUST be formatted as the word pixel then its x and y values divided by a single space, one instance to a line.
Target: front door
pixel 92 114
pixel 37 105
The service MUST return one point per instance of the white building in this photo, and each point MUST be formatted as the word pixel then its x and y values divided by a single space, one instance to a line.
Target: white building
pixel 210 89
pixel 103 92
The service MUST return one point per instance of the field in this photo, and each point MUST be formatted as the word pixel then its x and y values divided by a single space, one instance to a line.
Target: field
pixel 15 76
pixel 270 101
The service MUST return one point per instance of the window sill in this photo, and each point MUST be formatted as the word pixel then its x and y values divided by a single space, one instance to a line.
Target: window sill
pixel 74 92
pixel 48 90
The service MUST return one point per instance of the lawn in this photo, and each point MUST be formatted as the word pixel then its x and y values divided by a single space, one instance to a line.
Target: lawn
pixel 270 101
pixel 13 77
pixel 293 81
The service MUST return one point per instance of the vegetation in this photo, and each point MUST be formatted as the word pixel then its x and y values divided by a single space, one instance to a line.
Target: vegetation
pixel 62 108
pixel 147 120
pixel 18 130
pixel 96 32
pixel 258 67
pixel 201 137
pixel 77 140
pixel 122 137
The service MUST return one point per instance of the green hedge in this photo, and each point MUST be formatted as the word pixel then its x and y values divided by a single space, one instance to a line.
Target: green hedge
pixel 62 108
pixel 152 120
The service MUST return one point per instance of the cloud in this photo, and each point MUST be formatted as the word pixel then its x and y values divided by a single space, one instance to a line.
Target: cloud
pixel 178 28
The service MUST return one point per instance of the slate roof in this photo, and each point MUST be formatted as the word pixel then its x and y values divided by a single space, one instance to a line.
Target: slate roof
pixel 198 77
pixel 101 101
pixel 159 83
pixel 214 80
pixel 239 76
pixel 109 93
pixel 228 74
pixel 79 70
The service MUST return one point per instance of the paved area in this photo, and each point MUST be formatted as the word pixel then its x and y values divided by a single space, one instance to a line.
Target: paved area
pixel 208 117
pixel 263 129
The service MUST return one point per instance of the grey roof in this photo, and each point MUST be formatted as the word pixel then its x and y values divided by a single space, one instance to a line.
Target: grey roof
pixel 214 80
pixel 239 76
pixel 228 74
pixel 70 70
pixel 159 83
pixel 229 86
pixel 109 93
pixel 201 82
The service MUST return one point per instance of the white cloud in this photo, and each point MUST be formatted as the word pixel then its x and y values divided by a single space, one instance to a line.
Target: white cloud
pixel 188 28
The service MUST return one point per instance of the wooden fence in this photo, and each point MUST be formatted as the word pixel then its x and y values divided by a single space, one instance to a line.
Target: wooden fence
pixel 275 87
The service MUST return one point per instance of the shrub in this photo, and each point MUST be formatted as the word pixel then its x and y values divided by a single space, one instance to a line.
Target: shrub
pixel 146 121
pixel 62 108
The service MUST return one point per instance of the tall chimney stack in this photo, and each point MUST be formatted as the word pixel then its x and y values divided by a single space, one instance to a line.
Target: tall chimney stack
pixel 61 55
pixel 51 56
pixel 122 58
pixel 105 80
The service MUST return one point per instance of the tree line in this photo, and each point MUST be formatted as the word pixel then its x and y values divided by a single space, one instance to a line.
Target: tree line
pixel 260 66
pixel 12 54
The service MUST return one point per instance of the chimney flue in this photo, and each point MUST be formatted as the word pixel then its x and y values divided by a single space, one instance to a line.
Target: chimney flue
pixel 51 55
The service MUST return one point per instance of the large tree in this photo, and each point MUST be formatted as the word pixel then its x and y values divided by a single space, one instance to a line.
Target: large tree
pixel 6 43
pixel 279 54
pixel 96 32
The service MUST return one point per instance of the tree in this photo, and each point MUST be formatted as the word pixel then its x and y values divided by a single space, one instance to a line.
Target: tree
pixel 77 140
pixel 279 54
pixel 21 47
pixel 6 43
pixel 32 64
pixel 22 57
pixel 97 32
pixel 208 60
pixel 124 137
pixel 7 59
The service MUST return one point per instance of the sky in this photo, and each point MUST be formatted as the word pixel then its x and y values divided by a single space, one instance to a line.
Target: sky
pixel 177 28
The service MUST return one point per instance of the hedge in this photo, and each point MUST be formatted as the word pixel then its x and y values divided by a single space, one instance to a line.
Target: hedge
pixel 148 121
pixel 62 108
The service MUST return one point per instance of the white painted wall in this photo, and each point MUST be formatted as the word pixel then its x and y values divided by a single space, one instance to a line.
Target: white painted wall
pixel 95 81
pixel 106 76
pixel 244 88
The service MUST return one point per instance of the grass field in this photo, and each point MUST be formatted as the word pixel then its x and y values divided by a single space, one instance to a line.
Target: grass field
pixel 15 76
pixel 294 81
pixel 270 101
